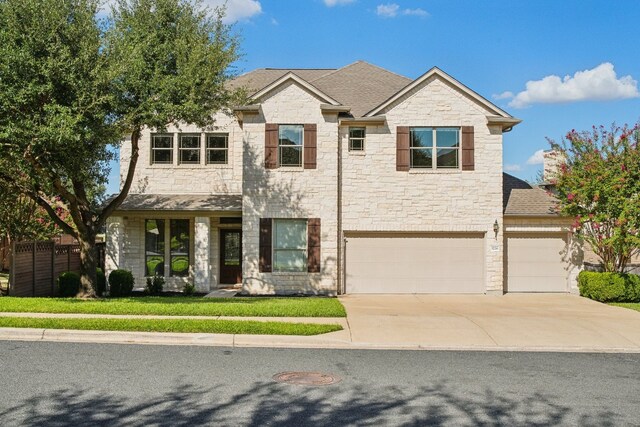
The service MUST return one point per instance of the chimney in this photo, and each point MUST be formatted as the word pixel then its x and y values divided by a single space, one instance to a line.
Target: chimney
pixel 552 160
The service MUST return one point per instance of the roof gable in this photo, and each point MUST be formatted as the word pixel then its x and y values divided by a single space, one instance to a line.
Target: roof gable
pixel 291 77
pixel 435 71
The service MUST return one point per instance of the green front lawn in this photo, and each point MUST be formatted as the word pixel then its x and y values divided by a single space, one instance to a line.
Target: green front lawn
pixel 182 306
pixel 172 325
pixel 631 305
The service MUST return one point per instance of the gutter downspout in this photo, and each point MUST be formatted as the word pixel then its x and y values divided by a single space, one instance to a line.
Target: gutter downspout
pixel 340 287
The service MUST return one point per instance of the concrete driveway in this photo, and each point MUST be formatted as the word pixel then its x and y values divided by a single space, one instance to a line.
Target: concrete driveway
pixel 554 322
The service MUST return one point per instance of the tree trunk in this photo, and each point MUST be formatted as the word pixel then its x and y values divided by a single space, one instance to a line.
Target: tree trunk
pixel 88 266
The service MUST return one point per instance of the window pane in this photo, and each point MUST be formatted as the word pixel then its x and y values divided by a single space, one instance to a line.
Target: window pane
pixel 356 145
pixel 190 141
pixel 290 260
pixel 290 156
pixel 290 234
pixel 217 156
pixel 190 156
pixel 217 141
pixel 356 132
pixel 447 137
pixel 232 248
pixel 421 158
pixel 179 247
pixel 447 158
pixel 154 247
pixel 421 137
pixel 162 156
pixel 162 141
pixel 290 134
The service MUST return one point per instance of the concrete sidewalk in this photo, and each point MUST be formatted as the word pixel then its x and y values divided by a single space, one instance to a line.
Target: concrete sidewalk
pixel 531 322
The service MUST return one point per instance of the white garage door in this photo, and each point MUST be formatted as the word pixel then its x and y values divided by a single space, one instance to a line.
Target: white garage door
pixel 537 263
pixel 410 264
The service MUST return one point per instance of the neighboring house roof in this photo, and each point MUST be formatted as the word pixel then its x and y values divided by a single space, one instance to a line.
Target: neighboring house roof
pixel 520 199
pixel 179 202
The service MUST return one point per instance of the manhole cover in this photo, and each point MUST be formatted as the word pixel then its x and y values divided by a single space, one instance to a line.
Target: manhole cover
pixel 306 378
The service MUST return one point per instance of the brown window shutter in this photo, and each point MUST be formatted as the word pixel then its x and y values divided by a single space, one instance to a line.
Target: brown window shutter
pixel 468 163
pixel 313 245
pixel 270 146
pixel 310 145
pixel 265 245
pixel 402 148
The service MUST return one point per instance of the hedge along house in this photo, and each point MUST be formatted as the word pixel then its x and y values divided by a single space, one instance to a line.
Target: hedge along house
pixel 355 180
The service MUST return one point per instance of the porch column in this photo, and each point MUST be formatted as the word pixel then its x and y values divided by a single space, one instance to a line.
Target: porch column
pixel 202 252
pixel 114 244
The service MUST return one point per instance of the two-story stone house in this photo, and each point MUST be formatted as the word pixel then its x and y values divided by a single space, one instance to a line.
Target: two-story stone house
pixel 350 180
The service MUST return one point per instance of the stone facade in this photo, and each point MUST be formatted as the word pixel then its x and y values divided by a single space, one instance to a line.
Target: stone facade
pixel 376 197
pixel 290 192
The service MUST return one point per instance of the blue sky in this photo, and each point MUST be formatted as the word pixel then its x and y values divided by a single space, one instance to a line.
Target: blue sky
pixel 508 51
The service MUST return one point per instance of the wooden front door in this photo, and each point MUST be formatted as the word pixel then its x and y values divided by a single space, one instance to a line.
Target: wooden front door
pixel 230 257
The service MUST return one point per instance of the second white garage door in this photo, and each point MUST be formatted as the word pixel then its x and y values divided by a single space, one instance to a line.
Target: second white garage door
pixel 410 264
pixel 537 263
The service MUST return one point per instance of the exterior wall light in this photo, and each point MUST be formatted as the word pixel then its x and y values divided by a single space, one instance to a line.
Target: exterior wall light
pixel 496 228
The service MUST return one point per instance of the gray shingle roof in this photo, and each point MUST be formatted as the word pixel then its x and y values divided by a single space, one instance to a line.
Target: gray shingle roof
pixel 520 199
pixel 361 86
pixel 179 202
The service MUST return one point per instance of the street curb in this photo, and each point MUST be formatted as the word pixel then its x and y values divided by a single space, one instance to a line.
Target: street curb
pixel 268 341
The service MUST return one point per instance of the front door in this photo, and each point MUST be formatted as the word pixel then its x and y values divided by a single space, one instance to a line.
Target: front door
pixel 230 257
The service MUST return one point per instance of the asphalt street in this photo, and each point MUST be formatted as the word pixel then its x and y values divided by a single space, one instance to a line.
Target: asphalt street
pixel 60 384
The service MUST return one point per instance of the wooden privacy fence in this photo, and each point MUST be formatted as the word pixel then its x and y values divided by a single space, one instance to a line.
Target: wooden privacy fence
pixel 37 265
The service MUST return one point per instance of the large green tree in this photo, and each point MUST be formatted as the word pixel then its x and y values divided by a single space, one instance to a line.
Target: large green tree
pixel 598 183
pixel 72 87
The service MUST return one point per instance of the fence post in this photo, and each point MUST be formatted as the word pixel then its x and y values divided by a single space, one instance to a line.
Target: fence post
pixel 33 268
pixel 53 268
pixel 12 272
pixel 68 258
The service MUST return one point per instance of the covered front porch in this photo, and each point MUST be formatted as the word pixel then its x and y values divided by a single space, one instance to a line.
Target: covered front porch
pixel 186 239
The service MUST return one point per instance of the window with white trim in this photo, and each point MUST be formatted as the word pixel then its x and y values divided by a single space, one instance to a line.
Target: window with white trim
pixel 290 143
pixel 356 138
pixel 161 148
pixel 434 147
pixel 217 149
pixel 189 149
pixel 290 245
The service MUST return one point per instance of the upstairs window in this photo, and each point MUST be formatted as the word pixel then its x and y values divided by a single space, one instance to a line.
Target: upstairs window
pixel 161 148
pixel 217 149
pixel 189 149
pixel 290 143
pixel 434 148
pixel 356 138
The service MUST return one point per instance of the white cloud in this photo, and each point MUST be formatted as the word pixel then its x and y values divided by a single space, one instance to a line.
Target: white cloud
pixel 331 3
pixel 237 10
pixel 503 95
pixel 389 10
pixel 536 158
pixel 598 84
pixel 415 12
pixel 512 168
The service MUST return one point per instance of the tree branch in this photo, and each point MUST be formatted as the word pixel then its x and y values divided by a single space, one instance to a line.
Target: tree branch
pixel 117 201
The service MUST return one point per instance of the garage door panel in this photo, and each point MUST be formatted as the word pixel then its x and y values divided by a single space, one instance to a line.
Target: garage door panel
pixel 537 263
pixel 390 264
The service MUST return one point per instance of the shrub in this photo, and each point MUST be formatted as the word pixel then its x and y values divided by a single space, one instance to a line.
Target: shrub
pixel 609 287
pixel 189 288
pixel 120 283
pixel 68 284
pixel 101 285
pixel 154 284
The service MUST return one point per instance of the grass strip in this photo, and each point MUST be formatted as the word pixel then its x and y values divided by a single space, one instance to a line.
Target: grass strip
pixel 630 305
pixel 181 306
pixel 172 325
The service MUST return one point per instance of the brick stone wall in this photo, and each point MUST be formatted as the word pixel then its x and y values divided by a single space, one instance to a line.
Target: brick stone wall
pixel 376 197
pixel 290 192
